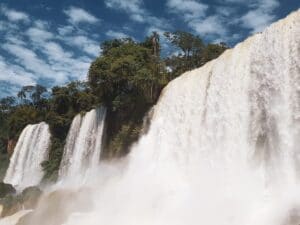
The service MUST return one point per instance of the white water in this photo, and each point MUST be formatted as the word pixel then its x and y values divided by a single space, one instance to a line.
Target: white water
pixel 223 145
pixel 31 150
pixel 222 148
pixel 83 144
pixel 12 220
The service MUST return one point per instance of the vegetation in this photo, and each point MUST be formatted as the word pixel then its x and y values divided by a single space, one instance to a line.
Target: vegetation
pixel 127 78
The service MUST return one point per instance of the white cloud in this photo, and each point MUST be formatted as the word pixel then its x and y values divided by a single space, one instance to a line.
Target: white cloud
pixel 31 62
pixel 13 15
pixel 115 34
pixel 65 30
pixel 137 13
pixel 189 9
pixel 55 52
pixel 77 15
pixel 195 14
pixel 209 25
pixel 8 26
pixel 41 24
pixel 39 54
pixel 14 39
pixel 38 35
pixel 256 20
pixel 226 11
pixel 132 7
pixel 216 21
pixel 87 45
pixel 237 1
pixel 14 74
pixel 260 15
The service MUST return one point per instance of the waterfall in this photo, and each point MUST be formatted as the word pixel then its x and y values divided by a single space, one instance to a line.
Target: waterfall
pixel 31 150
pixel 83 144
pixel 222 147
pixel 223 144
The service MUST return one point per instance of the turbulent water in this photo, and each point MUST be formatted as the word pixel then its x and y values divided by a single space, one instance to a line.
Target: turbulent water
pixel 222 147
pixel 223 144
pixel 83 144
pixel 31 150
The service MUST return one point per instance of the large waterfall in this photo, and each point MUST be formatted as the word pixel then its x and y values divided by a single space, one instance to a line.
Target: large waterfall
pixel 31 150
pixel 223 144
pixel 83 144
pixel 222 148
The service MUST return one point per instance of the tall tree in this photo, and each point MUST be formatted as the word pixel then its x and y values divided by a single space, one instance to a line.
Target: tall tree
pixel 7 103
pixel 188 43
pixel 32 94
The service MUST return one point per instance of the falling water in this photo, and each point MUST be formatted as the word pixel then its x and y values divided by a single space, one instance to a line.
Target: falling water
pixel 222 147
pixel 223 144
pixel 83 144
pixel 31 150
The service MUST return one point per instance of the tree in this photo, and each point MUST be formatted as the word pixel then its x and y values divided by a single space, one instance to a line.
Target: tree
pixel 152 42
pixel 7 103
pixel 72 98
pixel 155 43
pixel 32 94
pixel 106 46
pixel 188 43
pixel 191 48
pixel 212 51
pixel 128 79
pixel 194 53
pixel 20 117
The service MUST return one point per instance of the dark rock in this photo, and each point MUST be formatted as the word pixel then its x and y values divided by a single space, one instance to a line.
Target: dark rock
pixel 6 189
pixel 11 146
pixel 11 204
pixel 30 197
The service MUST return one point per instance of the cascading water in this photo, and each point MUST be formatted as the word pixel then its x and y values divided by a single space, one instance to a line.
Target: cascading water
pixel 31 150
pixel 83 144
pixel 223 144
pixel 222 147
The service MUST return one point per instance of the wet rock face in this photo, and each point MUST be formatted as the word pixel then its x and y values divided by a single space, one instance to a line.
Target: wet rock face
pixel 10 205
pixel 30 197
pixel 6 189
pixel 27 200
pixel 11 144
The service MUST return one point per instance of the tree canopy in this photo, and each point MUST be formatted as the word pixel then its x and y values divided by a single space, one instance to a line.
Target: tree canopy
pixel 127 77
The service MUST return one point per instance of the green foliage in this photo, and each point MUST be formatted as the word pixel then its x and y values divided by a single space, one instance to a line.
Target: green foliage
pixel 51 166
pixel 65 103
pixel 121 142
pixel 73 98
pixel 188 43
pixel 127 78
pixel 33 95
pixel 7 103
pixel 126 70
pixel 212 51
pixel 193 52
pixel 20 117
pixel 4 162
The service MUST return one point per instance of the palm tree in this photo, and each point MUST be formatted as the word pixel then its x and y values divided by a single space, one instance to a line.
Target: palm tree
pixel 155 43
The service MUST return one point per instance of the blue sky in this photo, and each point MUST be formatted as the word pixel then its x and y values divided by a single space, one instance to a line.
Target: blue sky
pixel 53 42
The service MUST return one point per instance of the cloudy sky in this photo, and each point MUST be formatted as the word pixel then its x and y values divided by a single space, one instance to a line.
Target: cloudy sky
pixel 51 42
